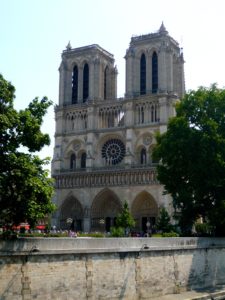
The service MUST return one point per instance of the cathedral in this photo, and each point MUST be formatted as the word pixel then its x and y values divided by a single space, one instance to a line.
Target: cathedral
pixel 103 144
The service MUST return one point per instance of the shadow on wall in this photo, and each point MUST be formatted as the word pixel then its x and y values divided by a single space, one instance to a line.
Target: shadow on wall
pixel 207 271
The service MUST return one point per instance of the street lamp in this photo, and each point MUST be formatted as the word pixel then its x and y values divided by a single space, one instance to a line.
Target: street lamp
pixel 102 222
pixel 148 225
pixel 69 221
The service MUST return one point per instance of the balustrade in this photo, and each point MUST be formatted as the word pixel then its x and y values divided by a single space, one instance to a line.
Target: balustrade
pixel 97 178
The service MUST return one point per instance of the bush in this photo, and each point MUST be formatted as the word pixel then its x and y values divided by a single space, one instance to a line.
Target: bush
pixel 203 229
pixel 117 232
pixel 156 235
pixel 170 234
pixel 8 235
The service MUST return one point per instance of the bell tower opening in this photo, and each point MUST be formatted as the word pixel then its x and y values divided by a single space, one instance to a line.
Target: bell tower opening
pixel 143 75
pixel 75 85
pixel 154 73
pixel 85 83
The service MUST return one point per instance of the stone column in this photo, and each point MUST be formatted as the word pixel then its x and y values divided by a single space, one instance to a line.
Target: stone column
pixel 129 114
pixel 114 83
pixel 25 280
pixel 129 148
pixel 129 74
pixel 68 86
pixel 181 76
pixel 90 151
pixel 163 110
pixel 169 62
pixel 162 74
pixel 96 78
pixel 61 83
pixel 87 220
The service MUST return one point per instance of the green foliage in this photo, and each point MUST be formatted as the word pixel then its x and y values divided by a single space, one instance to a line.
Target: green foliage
pixel 163 223
pixel 117 232
pixel 157 235
pixel 203 229
pixel 192 158
pixel 125 219
pixel 25 188
pixel 170 234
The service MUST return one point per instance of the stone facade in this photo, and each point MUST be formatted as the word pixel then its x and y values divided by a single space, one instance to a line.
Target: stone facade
pixel 126 268
pixel 103 145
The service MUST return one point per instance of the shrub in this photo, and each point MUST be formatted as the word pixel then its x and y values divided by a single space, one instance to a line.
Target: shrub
pixel 117 232
pixel 170 234
pixel 203 229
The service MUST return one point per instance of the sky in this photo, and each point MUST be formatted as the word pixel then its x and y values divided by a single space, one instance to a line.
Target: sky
pixel 33 34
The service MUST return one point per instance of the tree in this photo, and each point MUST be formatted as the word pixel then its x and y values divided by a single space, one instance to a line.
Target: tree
pixel 25 188
pixel 163 222
pixel 125 219
pixel 192 158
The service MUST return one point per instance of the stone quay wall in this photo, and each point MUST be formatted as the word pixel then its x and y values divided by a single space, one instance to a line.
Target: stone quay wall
pixel 108 268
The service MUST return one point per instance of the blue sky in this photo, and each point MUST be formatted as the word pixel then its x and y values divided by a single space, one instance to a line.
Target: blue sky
pixel 33 34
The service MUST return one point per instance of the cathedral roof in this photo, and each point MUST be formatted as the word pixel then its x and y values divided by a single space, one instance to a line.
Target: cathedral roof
pixel 136 39
pixel 70 50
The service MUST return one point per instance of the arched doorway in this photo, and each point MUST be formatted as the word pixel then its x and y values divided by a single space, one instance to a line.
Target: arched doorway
pixel 71 209
pixel 106 206
pixel 145 211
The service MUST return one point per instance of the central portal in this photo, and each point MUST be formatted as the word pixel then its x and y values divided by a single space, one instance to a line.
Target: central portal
pixel 105 208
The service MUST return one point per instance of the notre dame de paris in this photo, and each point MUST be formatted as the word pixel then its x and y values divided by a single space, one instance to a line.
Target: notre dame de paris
pixel 103 144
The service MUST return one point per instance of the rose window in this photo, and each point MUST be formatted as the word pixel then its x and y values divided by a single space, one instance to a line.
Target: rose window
pixel 113 151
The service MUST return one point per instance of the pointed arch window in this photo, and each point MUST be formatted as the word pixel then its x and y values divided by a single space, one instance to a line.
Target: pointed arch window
pixel 105 82
pixel 75 85
pixel 154 72
pixel 85 82
pixel 143 156
pixel 83 160
pixel 73 161
pixel 143 75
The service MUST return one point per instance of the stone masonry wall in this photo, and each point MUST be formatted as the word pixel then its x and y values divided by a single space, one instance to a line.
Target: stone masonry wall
pixel 127 268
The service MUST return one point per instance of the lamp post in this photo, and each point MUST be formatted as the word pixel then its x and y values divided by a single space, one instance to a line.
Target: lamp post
pixel 69 221
pixel 102 222
pixel 148 225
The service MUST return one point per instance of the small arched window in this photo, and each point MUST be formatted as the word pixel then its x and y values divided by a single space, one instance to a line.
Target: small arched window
pixel 83 161
pixel 143 156
pixel 73 161
pixel 75 85
pixel 85 82
pixel 143 75
pixel 154 73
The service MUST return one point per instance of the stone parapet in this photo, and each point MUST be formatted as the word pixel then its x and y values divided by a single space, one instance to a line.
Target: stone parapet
pixel 105 245
pixel 110 268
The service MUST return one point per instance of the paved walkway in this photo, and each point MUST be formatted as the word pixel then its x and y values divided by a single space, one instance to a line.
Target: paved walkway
pixel 192 295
